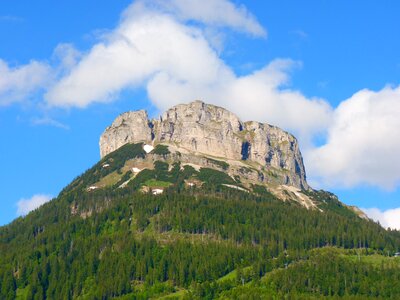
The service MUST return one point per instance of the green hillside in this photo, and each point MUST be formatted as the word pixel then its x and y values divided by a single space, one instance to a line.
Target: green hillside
pixel 198 239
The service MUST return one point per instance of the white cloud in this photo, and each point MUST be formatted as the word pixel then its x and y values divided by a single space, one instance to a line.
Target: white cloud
pixel 178 63
pixel 220 13
pixel 258 96
pixel 67 57
pixel 150 40
pixel 362 143
pixel 21 82
pixel 135 52
pixel 389 218
pixel 27 205
pixel 49 121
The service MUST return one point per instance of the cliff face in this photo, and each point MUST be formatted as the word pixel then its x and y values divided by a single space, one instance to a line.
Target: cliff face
pixel 129 127
pixel 201 128
pixel 208 130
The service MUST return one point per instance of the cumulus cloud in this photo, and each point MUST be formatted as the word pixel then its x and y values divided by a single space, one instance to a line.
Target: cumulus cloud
pixel 18 83
pixel 171 48
pixel 27 205
pixel 67 56
pixel 220 13
pixel 135 52
pixel 261 95
pixel 149 40
pixel 178 63
pixel 362 143
pixel 388 218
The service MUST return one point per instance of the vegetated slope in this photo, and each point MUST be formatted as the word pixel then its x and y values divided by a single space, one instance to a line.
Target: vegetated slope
pixel 118 241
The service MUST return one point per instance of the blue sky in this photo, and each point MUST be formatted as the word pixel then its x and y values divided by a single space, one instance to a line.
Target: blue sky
pixel 328 71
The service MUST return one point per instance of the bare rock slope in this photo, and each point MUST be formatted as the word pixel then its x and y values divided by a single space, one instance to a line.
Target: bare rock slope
pixel 256 151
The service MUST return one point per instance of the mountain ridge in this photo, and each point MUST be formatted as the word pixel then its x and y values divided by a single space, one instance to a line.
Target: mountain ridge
pixel 148 221
pixel 205 129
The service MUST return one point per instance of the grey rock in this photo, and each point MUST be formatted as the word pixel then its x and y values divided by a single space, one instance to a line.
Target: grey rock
pixel 201 129
pixel 271 146
pixel 129 127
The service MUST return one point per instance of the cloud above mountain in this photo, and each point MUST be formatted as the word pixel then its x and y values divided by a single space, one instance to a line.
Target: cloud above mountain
pixel 154 47
pixel 172 49
pixel 220 13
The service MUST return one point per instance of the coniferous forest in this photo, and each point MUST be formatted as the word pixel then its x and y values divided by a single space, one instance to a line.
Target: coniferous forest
pixel 205 242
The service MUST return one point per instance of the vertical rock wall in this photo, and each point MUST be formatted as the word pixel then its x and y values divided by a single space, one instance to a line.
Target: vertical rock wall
pixel 214 131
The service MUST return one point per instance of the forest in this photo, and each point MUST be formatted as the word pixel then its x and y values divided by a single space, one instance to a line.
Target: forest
pixel 205 242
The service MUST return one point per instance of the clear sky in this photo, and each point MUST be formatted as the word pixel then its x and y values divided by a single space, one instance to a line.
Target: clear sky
pixel 327 71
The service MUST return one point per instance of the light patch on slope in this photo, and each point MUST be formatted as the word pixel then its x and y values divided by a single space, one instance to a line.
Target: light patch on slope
pixel 235 187
pixel 125 183
pixel 136 170
pixel 148 148
pixel 286 192
pixel 358 212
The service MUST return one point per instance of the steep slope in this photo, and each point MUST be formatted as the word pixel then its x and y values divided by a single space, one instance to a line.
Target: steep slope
pixel 147 222
pixel 117 240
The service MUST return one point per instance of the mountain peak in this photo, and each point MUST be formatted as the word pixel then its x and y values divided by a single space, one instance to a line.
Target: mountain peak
pixel 198 129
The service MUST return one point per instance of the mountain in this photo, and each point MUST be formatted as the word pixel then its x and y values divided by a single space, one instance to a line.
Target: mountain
pixel 196 205
pixel 197 129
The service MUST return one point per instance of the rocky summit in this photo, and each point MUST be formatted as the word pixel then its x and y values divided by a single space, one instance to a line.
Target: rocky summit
pixel 207 135
pixel 196 205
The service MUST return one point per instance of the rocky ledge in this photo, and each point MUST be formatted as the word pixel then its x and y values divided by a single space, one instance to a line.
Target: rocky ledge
pixel 202 129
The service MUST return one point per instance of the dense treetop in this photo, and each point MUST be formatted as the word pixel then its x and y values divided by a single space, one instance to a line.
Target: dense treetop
pixel 205 241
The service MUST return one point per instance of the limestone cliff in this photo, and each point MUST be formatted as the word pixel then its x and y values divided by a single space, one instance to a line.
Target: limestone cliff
pixel 129 127
pixel 204 130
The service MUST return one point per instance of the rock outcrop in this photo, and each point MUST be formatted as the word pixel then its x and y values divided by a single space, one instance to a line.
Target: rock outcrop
pixel 208 130
pixel 201 128
pixel 129 127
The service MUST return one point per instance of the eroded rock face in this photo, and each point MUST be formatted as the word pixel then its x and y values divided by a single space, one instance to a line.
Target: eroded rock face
pixel 271 146
pixel 129 127
pixel 205 129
